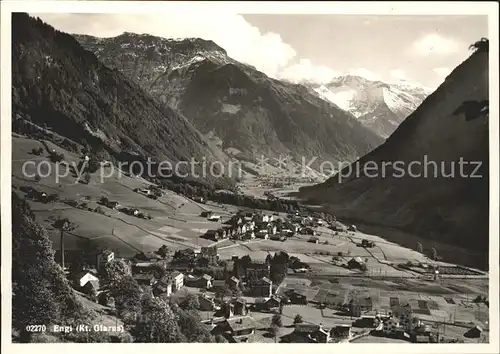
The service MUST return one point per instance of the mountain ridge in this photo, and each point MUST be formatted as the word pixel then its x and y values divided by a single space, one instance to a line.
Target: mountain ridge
pixel 247 110
pixel 379 105
pixel 449 210
pixel 57 83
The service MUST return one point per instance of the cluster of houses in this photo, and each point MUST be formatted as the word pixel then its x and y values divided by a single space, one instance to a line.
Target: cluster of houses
pixel 251 225
pixel 401 321
pixel 248 225
pixel 233 319
pixel 147 192
pixel 143 271
pixel 316 333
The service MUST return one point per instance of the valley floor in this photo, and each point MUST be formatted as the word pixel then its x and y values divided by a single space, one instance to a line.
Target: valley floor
pixel 176 222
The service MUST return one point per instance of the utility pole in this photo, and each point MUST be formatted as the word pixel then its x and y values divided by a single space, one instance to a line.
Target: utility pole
pixel 63 225
pixel 62 248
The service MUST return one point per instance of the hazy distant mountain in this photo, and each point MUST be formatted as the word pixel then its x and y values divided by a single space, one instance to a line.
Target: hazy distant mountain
pixel 378 105
pixel 240 107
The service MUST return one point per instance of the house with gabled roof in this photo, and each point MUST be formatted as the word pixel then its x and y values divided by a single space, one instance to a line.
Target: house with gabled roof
pixel 147 279
pixel 262 233
pixel 258 270
pixel 233 282
pixel 237 329
pixel 81 279
pixel 356 263
pixel 177 280
pixel 341 332
pixel 163 286
pixel 206 303
pixel 263 303
pixel 309 333
pixel 262 288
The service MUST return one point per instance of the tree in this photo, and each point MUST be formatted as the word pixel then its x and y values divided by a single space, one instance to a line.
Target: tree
pixel 163 251
pixel 434 254
pixel 203 262
pixel 222 293
pixel 482 45
pixel 86 178
pixel 190 302
pixel 78 264
pixel 279 265
pixel 276 320
pixel 273 331
pixel 127 294
pixel 246 261
pixel 190 325
pixel 159 270
pixel 156 323
pixel 236 292
pixel 115 270
pixel 93 165
pixel 298 319
pixel 420 248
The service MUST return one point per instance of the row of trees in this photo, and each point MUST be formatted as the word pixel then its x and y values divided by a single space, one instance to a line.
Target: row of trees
pixel 433 253
pixel 193 189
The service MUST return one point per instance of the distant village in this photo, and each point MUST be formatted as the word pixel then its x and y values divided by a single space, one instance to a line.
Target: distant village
pixel 233 290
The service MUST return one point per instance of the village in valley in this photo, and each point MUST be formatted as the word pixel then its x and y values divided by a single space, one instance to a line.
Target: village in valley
pixel 257 275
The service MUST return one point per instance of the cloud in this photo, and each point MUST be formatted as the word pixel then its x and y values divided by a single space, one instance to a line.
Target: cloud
pixel 367 74
pixel 435 44
pixel 305 70
pixel 398 74
pixel 267 52
pixel 443 72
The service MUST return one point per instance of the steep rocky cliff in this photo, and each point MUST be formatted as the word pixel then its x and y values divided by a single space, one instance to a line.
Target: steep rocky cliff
pixel 248 111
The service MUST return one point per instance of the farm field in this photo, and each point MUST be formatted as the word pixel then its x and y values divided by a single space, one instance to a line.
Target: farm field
pixel 176 222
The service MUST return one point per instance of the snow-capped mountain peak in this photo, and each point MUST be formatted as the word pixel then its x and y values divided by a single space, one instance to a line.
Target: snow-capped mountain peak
pixel 380 106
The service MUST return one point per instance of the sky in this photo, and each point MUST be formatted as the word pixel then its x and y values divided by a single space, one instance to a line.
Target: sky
pixel 315 48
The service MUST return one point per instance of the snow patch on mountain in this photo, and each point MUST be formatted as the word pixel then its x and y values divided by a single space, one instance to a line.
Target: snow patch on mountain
pixel 230 108
pixel 343 99
pixel 188 63
pixel 379 105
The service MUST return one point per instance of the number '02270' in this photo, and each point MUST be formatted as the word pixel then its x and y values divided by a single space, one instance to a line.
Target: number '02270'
pixel 36 328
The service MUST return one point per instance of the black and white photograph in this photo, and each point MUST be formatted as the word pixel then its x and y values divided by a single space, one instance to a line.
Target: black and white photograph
pixel 250 172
